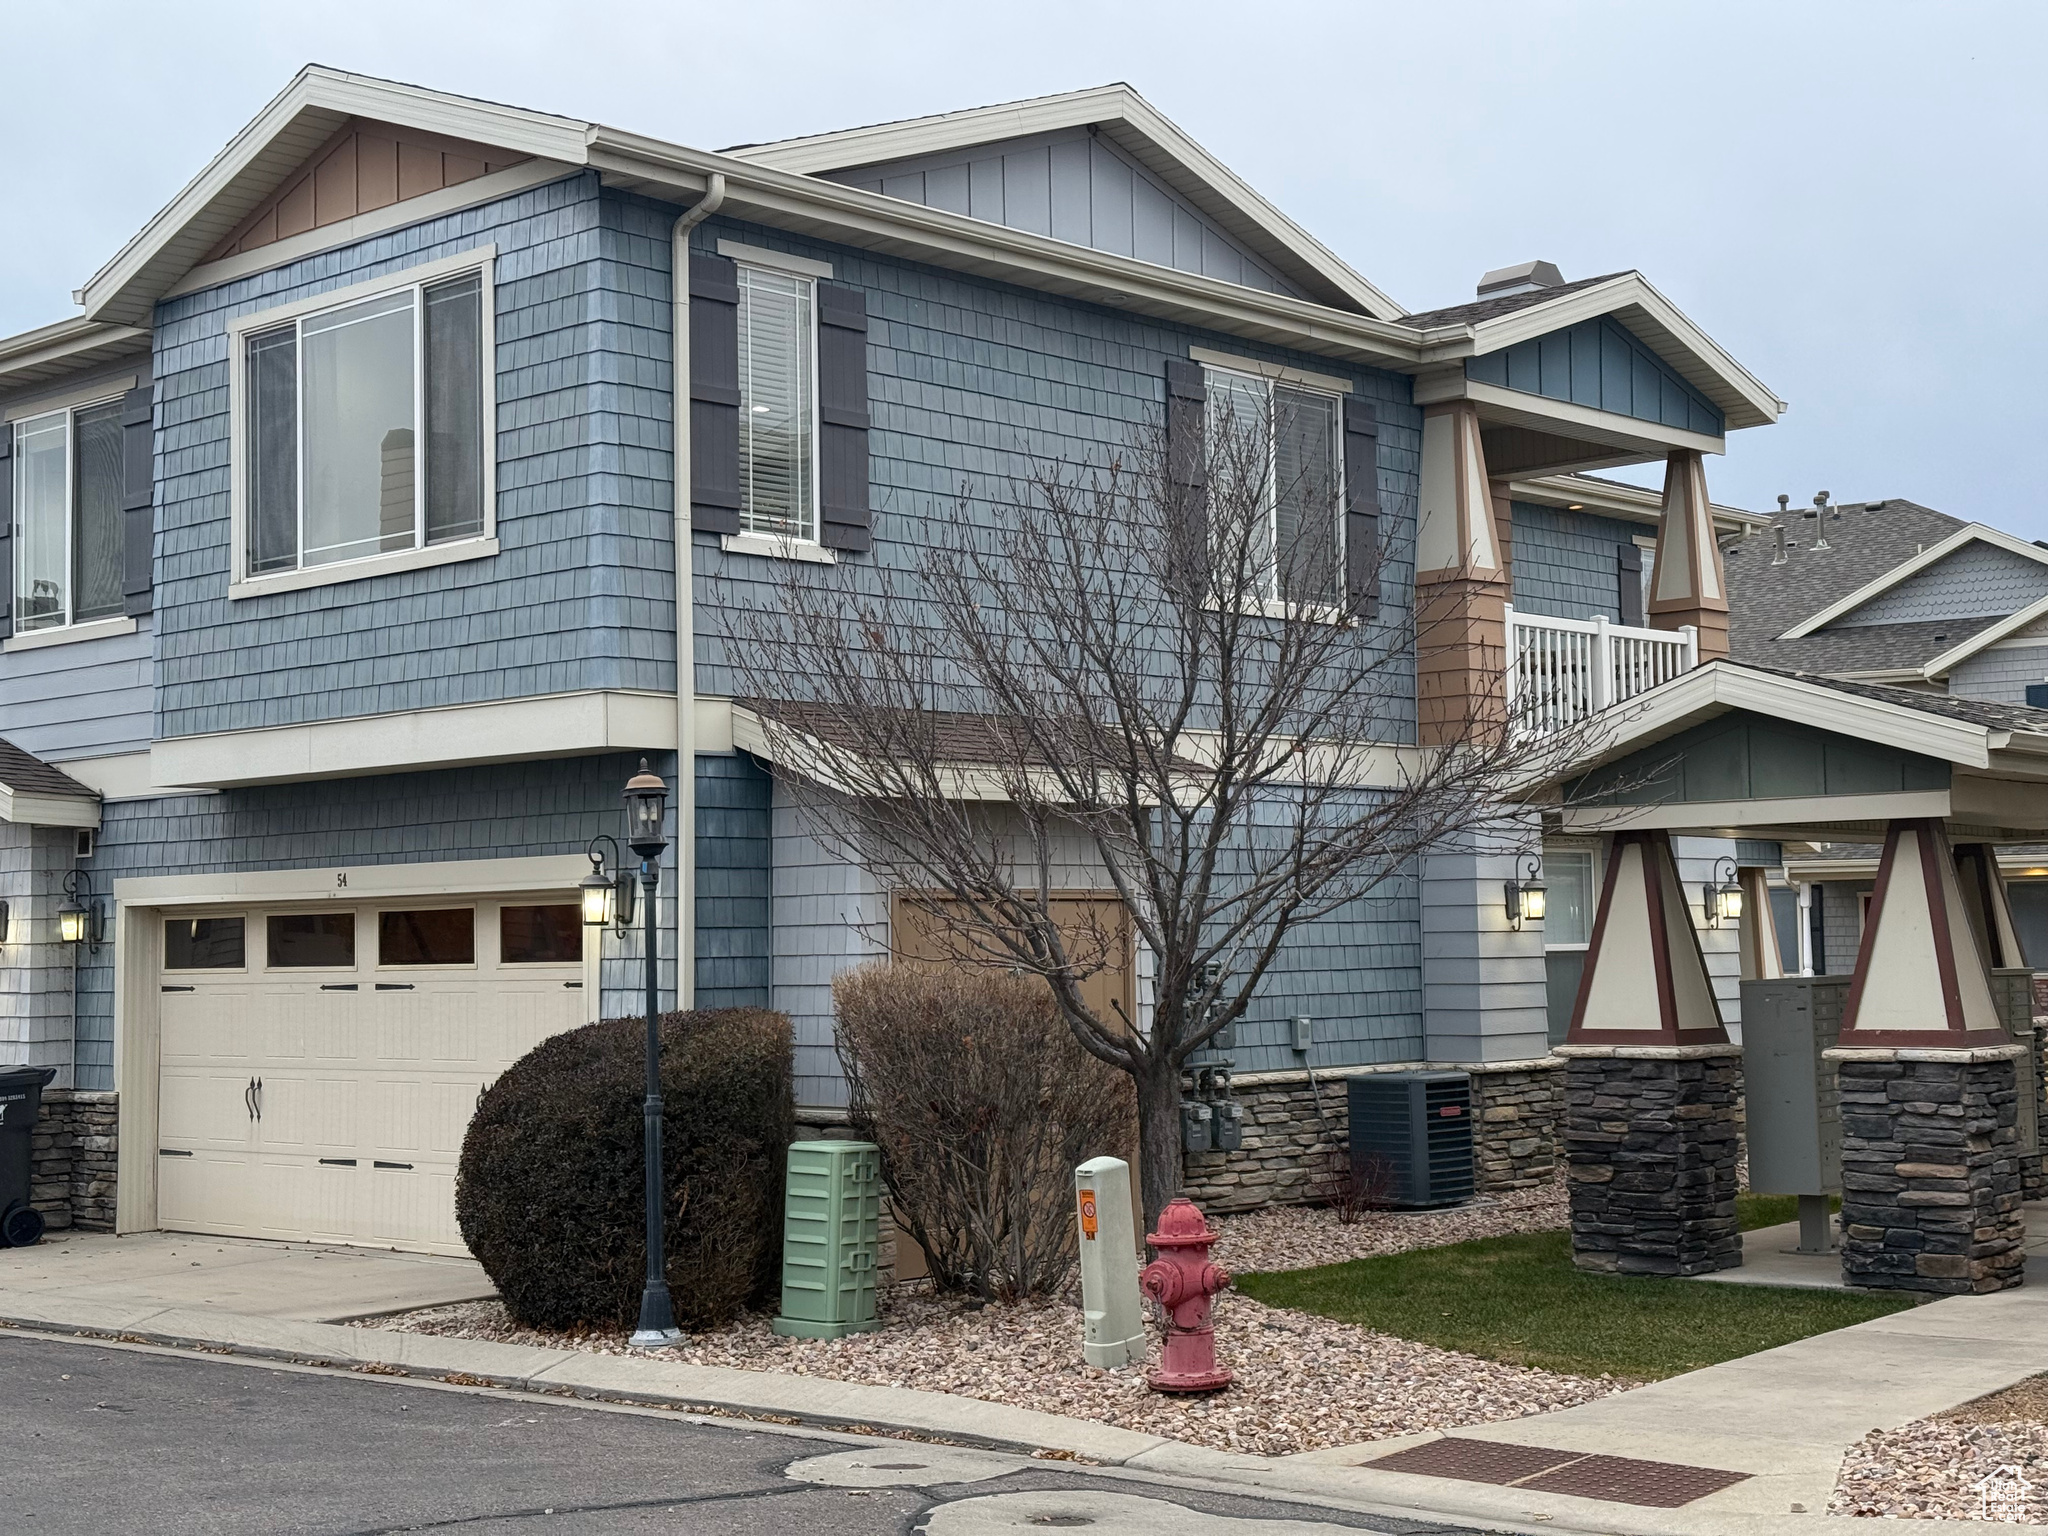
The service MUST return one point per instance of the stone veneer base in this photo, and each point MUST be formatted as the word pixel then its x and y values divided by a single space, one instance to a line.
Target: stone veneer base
pixel 1295 1134
pixel 71 1159
pixel 1931 1178
pixel 1651 1145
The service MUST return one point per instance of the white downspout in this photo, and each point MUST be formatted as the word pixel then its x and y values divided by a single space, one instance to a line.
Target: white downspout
pixel 686 619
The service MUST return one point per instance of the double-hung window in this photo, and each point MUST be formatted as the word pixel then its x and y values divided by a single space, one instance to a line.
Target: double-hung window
pixel 69 552
pixel 364 426
pixel 778 404
pixel 1299 431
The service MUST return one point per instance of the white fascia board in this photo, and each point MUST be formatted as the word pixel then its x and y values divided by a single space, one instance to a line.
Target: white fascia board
pixel 1633 503
pixel 121 776
pixel 1518 407
pixel 1969 533
pixel 513 730
pixel 1109 106
pixel 1984 639
pixel 1719 686
pixel 829 210
pixel 172 242
pixel 1654 319
pixel 33 810
pixel 1728 816
pixel 356 882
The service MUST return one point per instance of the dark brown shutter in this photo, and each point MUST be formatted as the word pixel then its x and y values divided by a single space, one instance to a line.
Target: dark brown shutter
pixel 6 530
pixel 714 394
pixel 1628 575
pixel 846 521
pixel 138 464
pixel 1187 470
pixel 1362 556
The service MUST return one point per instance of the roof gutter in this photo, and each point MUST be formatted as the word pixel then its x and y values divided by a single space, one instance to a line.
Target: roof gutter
pixel 686 608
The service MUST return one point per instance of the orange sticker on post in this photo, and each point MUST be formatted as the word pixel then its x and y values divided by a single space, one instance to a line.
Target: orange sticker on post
pixel 1088 1214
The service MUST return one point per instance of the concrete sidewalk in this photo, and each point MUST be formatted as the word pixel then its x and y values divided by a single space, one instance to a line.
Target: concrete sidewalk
pixel 1784 1416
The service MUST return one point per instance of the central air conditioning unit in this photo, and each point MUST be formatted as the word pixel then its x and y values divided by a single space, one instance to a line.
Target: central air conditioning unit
pixel 1411 1136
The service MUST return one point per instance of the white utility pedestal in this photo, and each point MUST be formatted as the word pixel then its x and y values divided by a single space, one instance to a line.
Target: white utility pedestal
pixel 1113 1328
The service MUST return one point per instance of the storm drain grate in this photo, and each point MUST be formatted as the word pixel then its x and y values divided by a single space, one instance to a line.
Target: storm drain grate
pixel 1615 1479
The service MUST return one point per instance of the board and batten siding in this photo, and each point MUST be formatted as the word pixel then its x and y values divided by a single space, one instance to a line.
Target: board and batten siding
pixel 1073 186
pixel 581 595
pixel 1603 366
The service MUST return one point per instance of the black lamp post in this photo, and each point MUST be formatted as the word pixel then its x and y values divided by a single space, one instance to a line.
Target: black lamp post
pixel 646 815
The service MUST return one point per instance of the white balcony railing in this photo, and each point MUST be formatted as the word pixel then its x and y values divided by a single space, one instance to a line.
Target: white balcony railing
pixel 1561 671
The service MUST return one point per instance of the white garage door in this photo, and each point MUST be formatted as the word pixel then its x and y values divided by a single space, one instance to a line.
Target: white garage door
pixel 319 1066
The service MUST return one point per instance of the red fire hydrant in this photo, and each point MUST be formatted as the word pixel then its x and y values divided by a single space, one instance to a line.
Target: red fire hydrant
pixel 1182 1280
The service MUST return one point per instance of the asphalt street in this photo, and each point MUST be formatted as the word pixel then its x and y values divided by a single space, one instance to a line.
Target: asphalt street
pixel 102 1440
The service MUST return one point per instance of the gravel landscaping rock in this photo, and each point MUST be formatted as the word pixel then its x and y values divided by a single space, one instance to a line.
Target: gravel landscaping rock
pixel 1931 1469
pixel 1303 1383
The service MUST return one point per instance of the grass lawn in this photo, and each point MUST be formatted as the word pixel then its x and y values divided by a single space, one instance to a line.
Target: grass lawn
pixel 1519 1299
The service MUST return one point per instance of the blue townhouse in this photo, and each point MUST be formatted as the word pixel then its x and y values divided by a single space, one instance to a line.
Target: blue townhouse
pixel 372 518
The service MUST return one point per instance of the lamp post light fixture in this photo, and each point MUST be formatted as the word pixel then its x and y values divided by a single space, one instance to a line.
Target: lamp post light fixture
pixel 1723 898
pixel 646 835
pixel 1528 897
pixel 78 920
pixel 607 894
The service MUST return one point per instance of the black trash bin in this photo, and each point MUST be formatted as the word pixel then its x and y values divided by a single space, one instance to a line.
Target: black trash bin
pixel 21 1100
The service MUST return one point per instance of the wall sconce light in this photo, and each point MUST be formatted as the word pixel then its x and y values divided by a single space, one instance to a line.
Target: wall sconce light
pixel 78 920
pixel 607 896
pixel 1527 898
pixel 1723 898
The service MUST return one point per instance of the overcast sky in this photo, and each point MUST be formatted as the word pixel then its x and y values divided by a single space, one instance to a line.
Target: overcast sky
pixel 1848 197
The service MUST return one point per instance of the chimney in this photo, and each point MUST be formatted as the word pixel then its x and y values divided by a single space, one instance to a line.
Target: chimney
pixel 1523 277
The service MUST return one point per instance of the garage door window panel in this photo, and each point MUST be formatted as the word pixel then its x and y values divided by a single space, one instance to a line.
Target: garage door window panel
pixel 205 944
pixel 540 935
pixel 434 936
pixel 311 940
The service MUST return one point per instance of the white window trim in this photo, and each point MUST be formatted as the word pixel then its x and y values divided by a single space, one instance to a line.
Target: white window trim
pixel 22 639
pixel 776 546
pixel 1230 362
pixel 92 394
pixel 70 634
pixel 241 584
pixel 1592 851
pixel 1273 605
pixel 780 261
pixel 782 545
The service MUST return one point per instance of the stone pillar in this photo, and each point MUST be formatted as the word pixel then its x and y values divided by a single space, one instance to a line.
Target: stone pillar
pixel 1930 1171
pixel 1461 584
pixel 1688 585
pixel 1650 1143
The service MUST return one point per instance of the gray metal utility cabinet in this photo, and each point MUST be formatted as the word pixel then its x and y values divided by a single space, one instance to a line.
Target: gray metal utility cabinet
pixel 1792 1104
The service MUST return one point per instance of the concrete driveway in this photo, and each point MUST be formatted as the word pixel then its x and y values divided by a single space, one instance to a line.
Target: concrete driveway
pixel 301 1282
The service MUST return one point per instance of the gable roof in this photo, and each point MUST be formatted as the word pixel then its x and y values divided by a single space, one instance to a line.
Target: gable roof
pixel 1933 554
pixel 1134 125
pixel 272 150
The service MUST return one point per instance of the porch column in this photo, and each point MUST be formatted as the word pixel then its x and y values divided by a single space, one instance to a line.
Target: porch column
pixel 1461 584
pixel 1652 1082
pixel 1688 585
pixel 2012 989
pixel 1931 1181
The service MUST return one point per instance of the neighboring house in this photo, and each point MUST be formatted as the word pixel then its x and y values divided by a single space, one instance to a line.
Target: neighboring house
pixel 1890 592
pixel 345 592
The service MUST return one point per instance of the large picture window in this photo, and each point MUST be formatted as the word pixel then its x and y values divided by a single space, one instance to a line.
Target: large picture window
pixel 778 404
pixel 1300 432
pixel 69 551
pixel 364 427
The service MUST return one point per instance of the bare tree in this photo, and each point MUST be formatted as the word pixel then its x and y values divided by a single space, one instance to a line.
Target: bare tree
pixel 1163 667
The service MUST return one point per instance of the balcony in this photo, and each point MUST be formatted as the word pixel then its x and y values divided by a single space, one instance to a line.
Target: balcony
pixel 1563 671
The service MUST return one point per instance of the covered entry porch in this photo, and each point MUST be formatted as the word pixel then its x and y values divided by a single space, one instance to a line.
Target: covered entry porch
pixel 1909 1085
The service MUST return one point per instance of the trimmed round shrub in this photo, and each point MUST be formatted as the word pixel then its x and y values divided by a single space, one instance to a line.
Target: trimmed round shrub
pixel 550 1192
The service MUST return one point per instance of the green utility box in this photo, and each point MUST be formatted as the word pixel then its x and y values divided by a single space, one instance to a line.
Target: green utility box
pixel 831 1229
